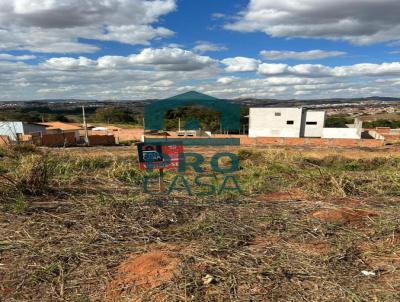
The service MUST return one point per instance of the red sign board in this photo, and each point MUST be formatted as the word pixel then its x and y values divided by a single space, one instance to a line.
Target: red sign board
pixel 159 155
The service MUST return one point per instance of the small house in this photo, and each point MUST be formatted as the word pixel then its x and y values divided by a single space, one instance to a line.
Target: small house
pixel 16 131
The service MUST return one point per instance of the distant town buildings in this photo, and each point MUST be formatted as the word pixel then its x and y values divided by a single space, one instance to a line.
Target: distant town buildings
pixel 267 125
pixel 53 134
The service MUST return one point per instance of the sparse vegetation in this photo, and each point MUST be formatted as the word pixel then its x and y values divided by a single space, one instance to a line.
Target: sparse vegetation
pixel 338 121
pixel 393 124
pixel 114 116
pixel 305 229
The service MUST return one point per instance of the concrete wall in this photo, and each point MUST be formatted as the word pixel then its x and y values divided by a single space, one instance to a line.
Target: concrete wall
pixel 349 133
pixel 375 134
pixel 312 142
pixel 58 131
pixel 101 140
pixel 244 140
pixel 58 140
pixel 311 129
pixel 358 125
pixel 273 122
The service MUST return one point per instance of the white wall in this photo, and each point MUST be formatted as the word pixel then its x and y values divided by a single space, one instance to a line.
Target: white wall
pixel 341 133
pixel 358 125
pixel 11 129
pixel 264 123
pixel 311 130
pixel 375 134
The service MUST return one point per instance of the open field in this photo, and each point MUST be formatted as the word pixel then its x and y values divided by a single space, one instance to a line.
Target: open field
pixel 310 225
pixel 380 116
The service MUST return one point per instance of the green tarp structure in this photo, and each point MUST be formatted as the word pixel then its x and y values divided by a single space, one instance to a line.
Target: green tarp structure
pixel 154 112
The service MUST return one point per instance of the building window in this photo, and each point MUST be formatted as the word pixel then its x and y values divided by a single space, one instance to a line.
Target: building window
pixel 290 122
pixel 277 114
pixel 311 123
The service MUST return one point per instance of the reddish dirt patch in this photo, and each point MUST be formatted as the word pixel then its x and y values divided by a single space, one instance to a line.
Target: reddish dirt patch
pixel 293 195
pixel 343 215
pixel 140 273
pixel 346 201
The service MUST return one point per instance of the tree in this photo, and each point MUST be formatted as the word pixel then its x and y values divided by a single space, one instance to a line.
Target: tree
pixel 57 118
pixel 337 121
pixel 113 115
pixel 207 118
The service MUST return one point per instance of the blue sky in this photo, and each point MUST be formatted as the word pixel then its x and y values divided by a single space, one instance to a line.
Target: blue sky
pixel 135 49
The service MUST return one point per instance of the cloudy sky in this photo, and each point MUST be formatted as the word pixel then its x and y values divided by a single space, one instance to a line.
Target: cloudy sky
pixel 135 49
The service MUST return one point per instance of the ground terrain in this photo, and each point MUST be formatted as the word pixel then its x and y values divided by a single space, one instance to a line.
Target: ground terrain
pixel 310 225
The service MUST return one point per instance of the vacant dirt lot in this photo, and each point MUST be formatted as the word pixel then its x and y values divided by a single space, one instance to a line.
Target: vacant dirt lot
pixel 308 225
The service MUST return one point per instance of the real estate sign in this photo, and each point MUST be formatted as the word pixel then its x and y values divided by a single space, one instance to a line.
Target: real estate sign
pixel 159 155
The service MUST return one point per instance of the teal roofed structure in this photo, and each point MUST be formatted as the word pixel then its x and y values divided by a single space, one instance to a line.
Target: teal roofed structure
pixel 229 112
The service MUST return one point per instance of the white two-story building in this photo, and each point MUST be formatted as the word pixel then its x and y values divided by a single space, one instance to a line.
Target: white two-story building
pixel 296 122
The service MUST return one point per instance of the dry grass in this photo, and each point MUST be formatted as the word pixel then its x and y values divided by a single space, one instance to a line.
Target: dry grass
pixel 70 218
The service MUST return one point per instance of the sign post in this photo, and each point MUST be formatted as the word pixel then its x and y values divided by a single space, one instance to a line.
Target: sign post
pixel 161 181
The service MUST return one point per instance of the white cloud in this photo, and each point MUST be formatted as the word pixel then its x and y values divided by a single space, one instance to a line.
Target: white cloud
pixel 77 13
pixel 164 83
pixel 367 69
pixel 273 69
pixel 240 64
pixel 315 54
pixel 167 59
pixel 172 59
pixel 175 45
pixel 8 57
pixel 204 46
pixel 66 63
pixel 158 73
pixel 317 70
pixel 56 26
pixel 357 21
pixel 42 40
pixel 133 34
pixel 227 80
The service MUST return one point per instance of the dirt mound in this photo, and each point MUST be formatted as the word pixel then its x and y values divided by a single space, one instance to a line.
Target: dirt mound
pixel 140 273
pixel 343 215
pixel 293 195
